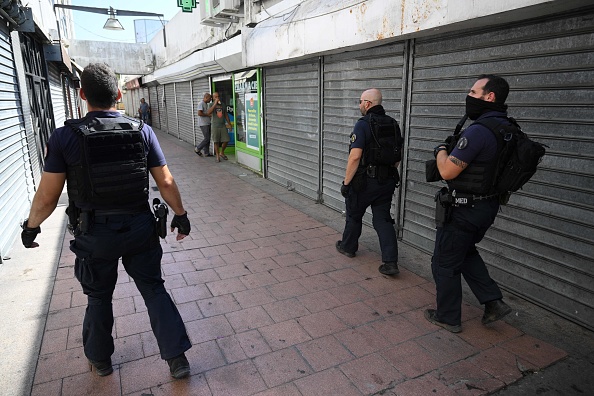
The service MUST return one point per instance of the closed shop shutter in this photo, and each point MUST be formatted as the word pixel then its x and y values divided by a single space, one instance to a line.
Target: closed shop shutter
pixel 345 77
pixel 199 87
pixel 57 93
pixel 16 179
pixel 185 111
pixel 162 108
pixel 154 102
pixel 542 243
pixel 292 131
pixel 172 123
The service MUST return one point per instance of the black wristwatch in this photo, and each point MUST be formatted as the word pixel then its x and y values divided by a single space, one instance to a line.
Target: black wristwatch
pixel 438 149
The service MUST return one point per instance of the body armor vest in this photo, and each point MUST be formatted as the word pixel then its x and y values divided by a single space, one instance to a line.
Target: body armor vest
pixel 385 147
pixel 479 177
pixel 112 169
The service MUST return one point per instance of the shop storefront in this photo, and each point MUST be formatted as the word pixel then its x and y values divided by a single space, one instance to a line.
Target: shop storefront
pixel 247 119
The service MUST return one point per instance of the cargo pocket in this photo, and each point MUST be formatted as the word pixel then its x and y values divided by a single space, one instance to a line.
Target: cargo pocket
pixel 83 269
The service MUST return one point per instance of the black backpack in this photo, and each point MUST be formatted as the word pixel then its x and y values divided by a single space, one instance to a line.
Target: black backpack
pixel 519 156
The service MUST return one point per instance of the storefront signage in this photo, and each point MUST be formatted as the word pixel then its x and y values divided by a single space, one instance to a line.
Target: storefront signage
pixel 251 122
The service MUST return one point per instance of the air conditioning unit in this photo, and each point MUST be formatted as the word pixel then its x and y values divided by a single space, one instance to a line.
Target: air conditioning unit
pixel 219 12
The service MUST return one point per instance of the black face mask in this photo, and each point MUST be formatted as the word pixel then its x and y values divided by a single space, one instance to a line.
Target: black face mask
pixel 476 107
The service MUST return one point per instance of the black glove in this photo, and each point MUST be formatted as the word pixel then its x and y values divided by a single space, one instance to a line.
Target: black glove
pixel 344 189
pixel 29 234
pixel 181 223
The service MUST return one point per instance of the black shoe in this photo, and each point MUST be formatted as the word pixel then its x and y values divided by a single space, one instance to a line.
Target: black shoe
pixel 102 368
pixel 179 367
pixel 209 155
pixel 389 268
pixel 197 152
pixel 430 316
pixel 342 251
pixel 495 310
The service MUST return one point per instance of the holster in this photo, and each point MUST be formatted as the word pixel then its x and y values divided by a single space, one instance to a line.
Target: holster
pixel 443 207
pixel 79 221
pixel 161 210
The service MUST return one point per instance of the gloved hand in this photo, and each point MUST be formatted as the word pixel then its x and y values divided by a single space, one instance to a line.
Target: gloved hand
pixel 344 189
pixel 182 224
pixel 29 234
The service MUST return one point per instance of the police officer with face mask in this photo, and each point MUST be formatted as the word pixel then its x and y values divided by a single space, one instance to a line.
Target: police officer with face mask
pixel 105 159
pixel 469 208
pixel 371 178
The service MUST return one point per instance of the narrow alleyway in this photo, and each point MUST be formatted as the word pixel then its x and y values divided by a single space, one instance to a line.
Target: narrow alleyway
pixel 272 309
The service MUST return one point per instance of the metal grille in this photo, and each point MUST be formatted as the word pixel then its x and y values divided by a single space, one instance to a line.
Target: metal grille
pixel 162 108
pixel 185 111
pixel 15 170
pixel 345 77
pixel 170 104
pixel 57 94
pixel 154 102
pixel 292 116
pixel 542 243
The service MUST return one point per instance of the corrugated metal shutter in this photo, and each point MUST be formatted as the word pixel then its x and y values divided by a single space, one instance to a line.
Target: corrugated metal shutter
pixel 154 102
pixel 199 87
pixel 185 111
pixel 57 93
pixel 162 108
pixel 542 243
pixel 16 180
pixel 291 111
pixel 170 104
pixel 346 76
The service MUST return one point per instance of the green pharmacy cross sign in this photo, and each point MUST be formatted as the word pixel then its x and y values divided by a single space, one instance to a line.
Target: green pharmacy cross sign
pixel 186 5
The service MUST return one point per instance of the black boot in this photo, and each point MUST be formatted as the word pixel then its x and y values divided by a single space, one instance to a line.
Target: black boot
pixel 495 310
pixel 389 268
pixel 102 368
pixel 179 367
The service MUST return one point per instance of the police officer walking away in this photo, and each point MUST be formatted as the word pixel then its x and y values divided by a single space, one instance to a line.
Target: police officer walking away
pixel 106 159
pixel 469 208
pixel 371 178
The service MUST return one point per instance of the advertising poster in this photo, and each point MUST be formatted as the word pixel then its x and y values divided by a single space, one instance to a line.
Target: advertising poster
pixel 251 120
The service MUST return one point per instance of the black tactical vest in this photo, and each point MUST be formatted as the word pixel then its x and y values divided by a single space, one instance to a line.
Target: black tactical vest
pixel 479 177
pixel 112 169
pixel 385 145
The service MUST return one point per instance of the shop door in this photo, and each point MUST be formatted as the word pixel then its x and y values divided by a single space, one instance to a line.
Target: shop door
pixel 16 179
pixel 185 111
pixel 170 104
pixel 345 77
pixel 292 127
pixel 162 107
pixel 57 94
pixel 542 243
pixel 154 102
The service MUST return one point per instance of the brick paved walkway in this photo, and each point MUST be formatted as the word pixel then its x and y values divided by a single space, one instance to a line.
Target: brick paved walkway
pixel 272 309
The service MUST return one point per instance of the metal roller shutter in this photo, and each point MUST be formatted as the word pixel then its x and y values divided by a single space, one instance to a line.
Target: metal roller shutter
pixel 542 243
pixel 154 102
pixel 170 104
pixel 185 111
pixel 162 108
pixel 199 87
pixel 16 179
pixel 57 94
pixel 345 77
pixel 292 114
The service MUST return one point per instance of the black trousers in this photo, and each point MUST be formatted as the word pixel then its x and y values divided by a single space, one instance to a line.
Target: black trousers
pixel 133 238
pixel 455 255
pixel 378 195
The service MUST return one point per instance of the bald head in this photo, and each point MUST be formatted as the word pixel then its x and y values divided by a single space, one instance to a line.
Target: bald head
pixel 369 98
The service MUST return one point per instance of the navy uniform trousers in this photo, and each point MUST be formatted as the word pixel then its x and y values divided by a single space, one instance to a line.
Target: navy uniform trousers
pixel 378 195
pixel 133 238
pixel 455 254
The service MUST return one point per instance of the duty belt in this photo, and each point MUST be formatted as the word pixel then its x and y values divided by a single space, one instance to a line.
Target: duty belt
pixel 380 171
pixel 462 199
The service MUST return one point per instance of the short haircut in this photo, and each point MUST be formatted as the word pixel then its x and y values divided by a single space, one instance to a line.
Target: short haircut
pixel 497 85
pixel 100 85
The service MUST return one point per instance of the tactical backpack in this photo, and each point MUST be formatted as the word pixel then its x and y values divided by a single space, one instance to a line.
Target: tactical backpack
pixel 386 147
pixel 518 158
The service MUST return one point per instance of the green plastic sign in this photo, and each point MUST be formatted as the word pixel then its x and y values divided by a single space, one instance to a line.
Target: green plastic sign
pixel 186 5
